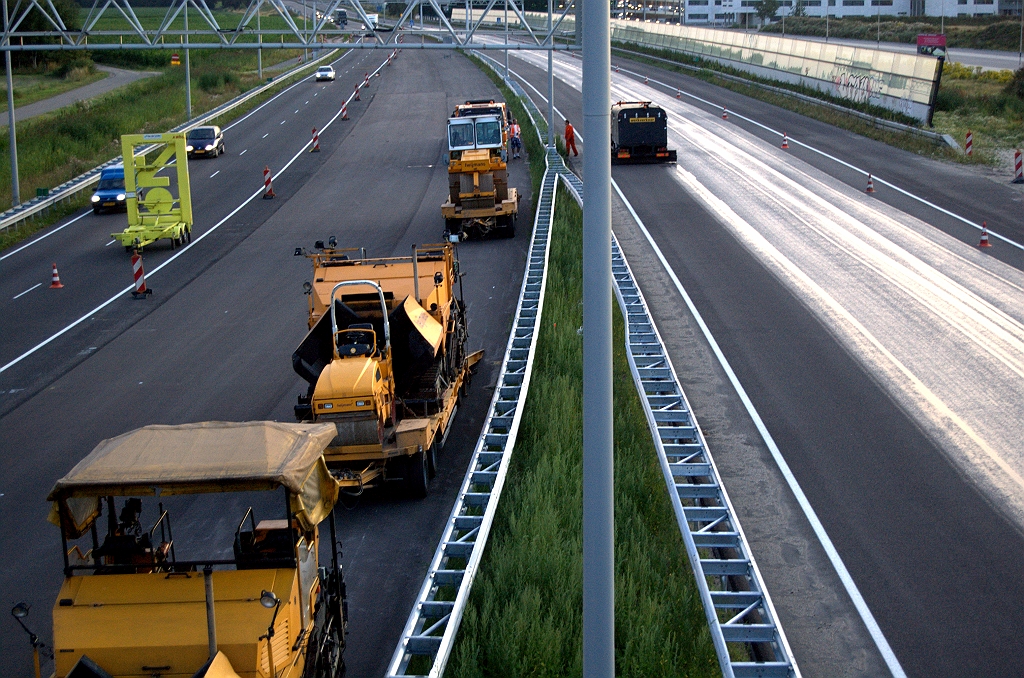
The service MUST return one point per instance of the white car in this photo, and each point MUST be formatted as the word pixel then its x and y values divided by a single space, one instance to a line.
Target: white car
pixel 325 73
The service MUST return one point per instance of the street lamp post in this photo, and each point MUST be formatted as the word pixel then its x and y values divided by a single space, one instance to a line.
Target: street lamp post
pixel 269 599
pixel 20 612
pixel 188 71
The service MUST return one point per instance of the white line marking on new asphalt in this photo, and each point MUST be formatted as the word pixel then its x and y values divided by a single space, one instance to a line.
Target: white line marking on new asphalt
pixel 110 243
pixel 28 290
pixel 305 104
pixel 215 174
pixel 283 122
pixel 180 252
pixel 43 237
pixel 819 530
pixel 266 135
pixel 296 110
pixel 244 152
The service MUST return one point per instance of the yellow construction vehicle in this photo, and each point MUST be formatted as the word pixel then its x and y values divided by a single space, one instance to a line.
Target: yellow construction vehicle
pixel 480 201
pixel 260 607
pixel 154 212
pixel 385 361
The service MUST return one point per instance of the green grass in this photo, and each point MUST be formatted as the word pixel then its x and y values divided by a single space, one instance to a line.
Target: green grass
pixel 524 617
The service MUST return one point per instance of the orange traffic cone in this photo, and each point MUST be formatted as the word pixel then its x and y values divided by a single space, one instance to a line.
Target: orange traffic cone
pixel 678 94
pixel 871 185
pixel 984 240
pixel 725 113
pixel 55 284
pixel 785 140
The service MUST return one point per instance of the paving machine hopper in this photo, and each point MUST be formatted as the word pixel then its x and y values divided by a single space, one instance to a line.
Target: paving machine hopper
pixel 385 360
pixel 639 134
pixel 480 201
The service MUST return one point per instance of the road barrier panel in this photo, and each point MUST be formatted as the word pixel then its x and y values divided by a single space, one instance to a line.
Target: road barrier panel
pixel 969 143
pixel 316 141
pixel 141 290
pixel 55 283
pixel 267 185
pixel 356 97
pixel 1018 169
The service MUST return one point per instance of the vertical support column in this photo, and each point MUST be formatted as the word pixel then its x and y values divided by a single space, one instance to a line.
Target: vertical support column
pixel 11 131
pixel 598 455
pixel 305 38
pixel 551 81
pixel 188 71
pixel 578 15
pixel 211 620
pixel 259 50
pixel 506 40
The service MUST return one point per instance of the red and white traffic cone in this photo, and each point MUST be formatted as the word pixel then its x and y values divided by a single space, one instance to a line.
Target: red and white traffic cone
pixel 969 145
pixel 357 94
pixel 267 185
pixel 140 277
pixel 725 113
pixel 344 111
pixel 55 283
pixel 316 142
pixel 1018 169
pixel 679 95
pixel 647 80
pixel 984 235
pixel 871 185
pixel 785 140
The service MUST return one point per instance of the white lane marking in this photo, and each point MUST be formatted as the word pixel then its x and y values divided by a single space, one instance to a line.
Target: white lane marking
pixel 283 122
pixel 296 110
pixel 266 135
pixel 215 174
pixel 43 237
pixel 180 252
pixel 244 152
pixel 110 243
pixel 305 104
pixel 28 290
pixel 819 530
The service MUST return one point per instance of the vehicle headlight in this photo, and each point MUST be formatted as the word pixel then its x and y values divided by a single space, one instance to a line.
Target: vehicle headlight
pixel 209 147
pixel 188 148
pixel 95 198
pixel 120 196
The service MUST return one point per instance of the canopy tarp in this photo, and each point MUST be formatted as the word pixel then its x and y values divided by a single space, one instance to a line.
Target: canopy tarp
pixel 202 458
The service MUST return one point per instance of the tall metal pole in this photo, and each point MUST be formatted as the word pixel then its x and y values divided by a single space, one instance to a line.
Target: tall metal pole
pixel 506 40
pixel 551 82
pixel 1020 43
pixel 211 619
pixel 188 71
pixel 12 134
pixel 598 457
pixel 305 38
pixel 259 51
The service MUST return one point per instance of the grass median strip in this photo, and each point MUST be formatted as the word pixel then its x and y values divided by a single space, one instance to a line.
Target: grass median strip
pixel 524 617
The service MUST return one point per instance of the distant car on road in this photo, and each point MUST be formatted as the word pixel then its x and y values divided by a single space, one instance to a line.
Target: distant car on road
pixel 109 193
pixel 325 73
pixel 207 141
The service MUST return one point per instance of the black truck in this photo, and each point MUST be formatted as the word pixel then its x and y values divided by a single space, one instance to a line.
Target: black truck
pixel 639 134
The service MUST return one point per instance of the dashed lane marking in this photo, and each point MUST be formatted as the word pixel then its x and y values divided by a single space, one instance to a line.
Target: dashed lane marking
pixel 28 290
pixel 244 152
pixel 215 174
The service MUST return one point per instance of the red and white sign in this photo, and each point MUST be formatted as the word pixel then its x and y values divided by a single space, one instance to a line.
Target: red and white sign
pixel 932 44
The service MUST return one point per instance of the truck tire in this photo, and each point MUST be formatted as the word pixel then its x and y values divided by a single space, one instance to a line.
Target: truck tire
pixel 432 457
pixel 416 475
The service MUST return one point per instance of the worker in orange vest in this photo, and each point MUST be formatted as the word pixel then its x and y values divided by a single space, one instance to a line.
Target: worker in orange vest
pixel 570 138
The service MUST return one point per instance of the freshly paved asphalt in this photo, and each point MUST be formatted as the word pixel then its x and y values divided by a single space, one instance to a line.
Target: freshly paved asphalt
pixel 214 341
pixel 937 563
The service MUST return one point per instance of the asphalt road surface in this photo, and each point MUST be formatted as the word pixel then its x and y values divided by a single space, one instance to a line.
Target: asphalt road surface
pixel 879 345
pixel 214 342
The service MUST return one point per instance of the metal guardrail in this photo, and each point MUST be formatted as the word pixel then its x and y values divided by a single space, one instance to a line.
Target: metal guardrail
pixel 69 189
pixel 434 621
pixel 729 582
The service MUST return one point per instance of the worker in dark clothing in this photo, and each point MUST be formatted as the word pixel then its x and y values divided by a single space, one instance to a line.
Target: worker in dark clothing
pixel 570 138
